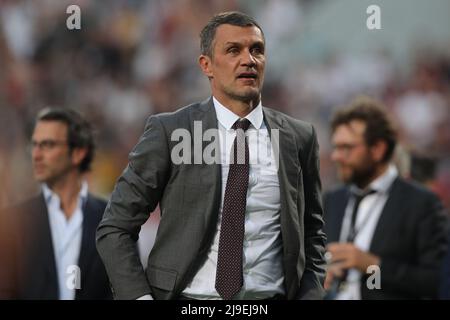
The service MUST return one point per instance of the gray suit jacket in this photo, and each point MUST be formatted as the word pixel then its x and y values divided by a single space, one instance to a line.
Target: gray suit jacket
pixel 189 198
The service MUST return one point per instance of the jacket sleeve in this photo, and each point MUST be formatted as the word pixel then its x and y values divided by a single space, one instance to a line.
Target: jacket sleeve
pixel 311 284
pixel 136 194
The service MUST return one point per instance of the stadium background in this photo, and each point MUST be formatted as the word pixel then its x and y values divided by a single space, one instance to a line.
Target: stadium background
pixel 135 58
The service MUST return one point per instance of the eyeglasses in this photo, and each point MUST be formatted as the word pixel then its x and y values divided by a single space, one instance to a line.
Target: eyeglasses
pixel 46 145
pixel 346 148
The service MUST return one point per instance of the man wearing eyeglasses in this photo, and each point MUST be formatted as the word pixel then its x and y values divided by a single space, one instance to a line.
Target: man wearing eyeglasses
pixel 49 246
pixel 386 235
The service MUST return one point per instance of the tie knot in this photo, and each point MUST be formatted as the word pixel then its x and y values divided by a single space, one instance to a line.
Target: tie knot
pixel 361 194
pixel 243 124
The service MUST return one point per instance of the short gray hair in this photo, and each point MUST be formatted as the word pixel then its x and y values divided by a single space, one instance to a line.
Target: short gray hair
pixel 233 18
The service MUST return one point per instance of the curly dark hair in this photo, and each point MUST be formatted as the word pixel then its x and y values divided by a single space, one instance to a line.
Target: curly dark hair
pixel 378 124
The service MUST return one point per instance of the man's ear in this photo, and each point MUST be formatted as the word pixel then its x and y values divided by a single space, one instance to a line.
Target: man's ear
pixel 78 155
pixel 205 64
pixel 378 150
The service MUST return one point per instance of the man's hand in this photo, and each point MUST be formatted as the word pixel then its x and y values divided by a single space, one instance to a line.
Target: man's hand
pixel 344 256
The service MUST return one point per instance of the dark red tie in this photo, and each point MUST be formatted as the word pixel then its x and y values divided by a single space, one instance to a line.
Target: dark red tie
pixel 229 278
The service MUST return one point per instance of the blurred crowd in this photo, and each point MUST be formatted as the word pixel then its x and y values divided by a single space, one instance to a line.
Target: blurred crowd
pixel 135 58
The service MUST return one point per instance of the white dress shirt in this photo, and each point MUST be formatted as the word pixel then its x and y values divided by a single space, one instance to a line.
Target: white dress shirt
pixel 262 248
pixel 66 237
pixel 369 212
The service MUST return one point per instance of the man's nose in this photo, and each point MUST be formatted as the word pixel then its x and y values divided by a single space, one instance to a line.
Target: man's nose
pixel 36 153
pixel 248 59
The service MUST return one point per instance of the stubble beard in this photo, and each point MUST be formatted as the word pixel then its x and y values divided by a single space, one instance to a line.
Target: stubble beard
pixel 246 96
pixel 363 175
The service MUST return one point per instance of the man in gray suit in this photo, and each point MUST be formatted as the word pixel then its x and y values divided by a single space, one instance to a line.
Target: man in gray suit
pixel 248 226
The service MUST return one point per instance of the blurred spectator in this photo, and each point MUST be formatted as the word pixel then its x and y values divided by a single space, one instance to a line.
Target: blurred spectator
pixel 423 169
pixel 48 247
pixel 363 219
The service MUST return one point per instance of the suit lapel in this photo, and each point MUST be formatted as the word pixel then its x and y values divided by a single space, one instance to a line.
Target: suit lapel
pixel 336 215
pixel 87 248
pixel 388 217
pixel 42 252
pixel 211 174
pixel 205 115
pixel 285 151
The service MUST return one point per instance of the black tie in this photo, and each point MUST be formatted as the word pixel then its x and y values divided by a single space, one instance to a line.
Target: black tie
pixel 229 278
pixel 358 196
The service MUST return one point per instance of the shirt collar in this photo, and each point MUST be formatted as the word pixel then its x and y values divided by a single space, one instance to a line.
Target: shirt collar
pixel 227 118
pixel 49 195
pixel 383 183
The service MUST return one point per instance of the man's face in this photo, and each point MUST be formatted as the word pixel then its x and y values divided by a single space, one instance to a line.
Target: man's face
pixel 354 160
pixel 236 68
pixel 51 155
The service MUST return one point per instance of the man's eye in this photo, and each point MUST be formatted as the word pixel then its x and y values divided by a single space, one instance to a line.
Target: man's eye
pixel 257 50
pixel 48 144
pixel 233 50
